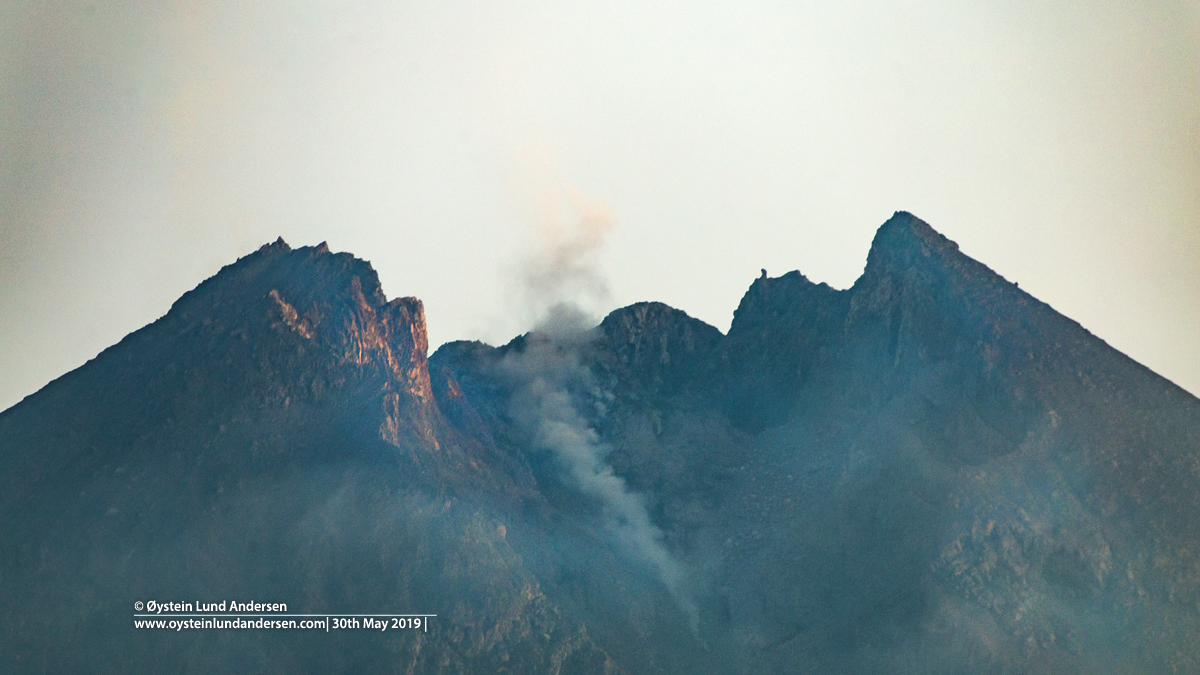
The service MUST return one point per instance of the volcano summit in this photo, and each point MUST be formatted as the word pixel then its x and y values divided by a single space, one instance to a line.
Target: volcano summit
pixel 928 472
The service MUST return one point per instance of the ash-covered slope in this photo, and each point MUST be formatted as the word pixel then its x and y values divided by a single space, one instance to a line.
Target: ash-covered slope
pixel 929 472
pixel 977 482
pixel 273 438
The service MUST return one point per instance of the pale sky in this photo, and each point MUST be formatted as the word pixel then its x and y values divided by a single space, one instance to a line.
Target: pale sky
pixel 144 145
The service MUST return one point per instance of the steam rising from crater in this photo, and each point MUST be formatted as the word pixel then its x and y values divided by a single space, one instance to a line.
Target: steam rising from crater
pixel 556 395
pixel 560 286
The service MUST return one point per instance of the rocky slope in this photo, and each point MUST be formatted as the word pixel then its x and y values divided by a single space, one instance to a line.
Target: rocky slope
pixel 273 437
pixel 929 472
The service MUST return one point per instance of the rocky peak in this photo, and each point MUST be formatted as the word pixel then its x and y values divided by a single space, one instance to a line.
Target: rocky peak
pixel 913 268
pixel 789 299
pixel 329 304
pixel 919 302
pixel 275 430
pixel 906 239
pixel 302 277
pixel 279 332
pixel 657 346
pixel 929 472
pixel 782 329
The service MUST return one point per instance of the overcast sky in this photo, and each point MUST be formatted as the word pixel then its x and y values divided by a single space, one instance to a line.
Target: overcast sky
pixel 145 145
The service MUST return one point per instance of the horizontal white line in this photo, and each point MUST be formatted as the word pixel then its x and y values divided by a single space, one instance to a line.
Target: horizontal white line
pixel 277 615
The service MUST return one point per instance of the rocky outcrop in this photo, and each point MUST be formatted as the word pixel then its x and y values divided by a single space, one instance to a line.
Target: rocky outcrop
pixel 928 472
pixel 931 471
pixel 782 331
pixel 275 436
pixel 656 349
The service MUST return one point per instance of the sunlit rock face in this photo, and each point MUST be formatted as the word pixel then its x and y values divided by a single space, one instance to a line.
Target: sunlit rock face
pixel 929 472
pixel 274 437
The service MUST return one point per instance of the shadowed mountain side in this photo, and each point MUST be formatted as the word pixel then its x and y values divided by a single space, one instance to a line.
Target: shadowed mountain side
pixel 929 472
pixel 302 335
pixel 655 350
pixel 782 330
pixel 569 538
pixel 273 437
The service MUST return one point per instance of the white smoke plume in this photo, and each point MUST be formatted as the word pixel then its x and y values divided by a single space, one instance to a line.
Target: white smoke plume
pixel 545 404
pixel 560 284
pixel 552 384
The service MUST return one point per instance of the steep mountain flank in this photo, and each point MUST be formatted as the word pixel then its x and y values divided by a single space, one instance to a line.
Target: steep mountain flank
pixel 928 472
pixel 977 467
pixel 273 437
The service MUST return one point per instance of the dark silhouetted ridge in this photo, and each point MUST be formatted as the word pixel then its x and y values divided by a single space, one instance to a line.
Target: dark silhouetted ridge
pixel 929 472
